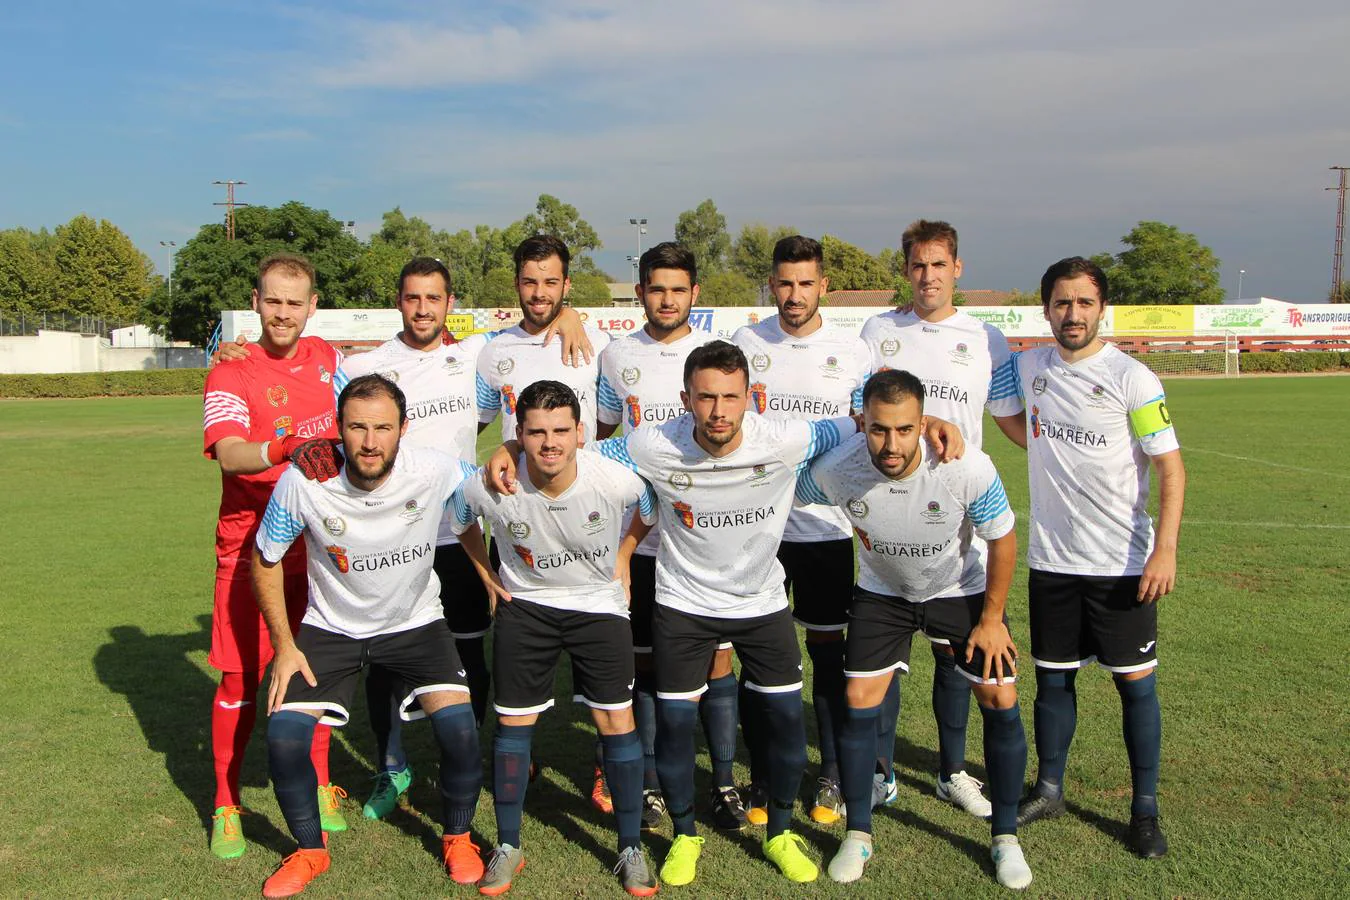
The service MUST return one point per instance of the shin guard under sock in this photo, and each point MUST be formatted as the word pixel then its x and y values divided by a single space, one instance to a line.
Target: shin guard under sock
pixel 511 771
pixel 1056 717
pixel 290 734
pixel 786 738
pixel 233 713
pixel 717 709
pixel 1005 758
pixel 1141 722
pixel 623 771
pixel 857 760
pixel 461 766
pixel 675 760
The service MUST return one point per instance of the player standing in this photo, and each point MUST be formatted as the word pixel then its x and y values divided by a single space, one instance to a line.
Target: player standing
pixel 920 570
pixel 375 601
pixel 641 377
pixel 564 562
pixel 1095 420
pixel 966 369
pixel 802 368
pixel 256 413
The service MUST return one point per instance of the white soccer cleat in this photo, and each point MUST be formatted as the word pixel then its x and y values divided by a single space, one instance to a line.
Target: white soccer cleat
pixel 852 857
pixel 963 792
pixel 1010 866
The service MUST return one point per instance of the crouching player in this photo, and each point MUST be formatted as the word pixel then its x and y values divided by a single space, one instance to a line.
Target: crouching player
pixel 374 598
pixel 565 563
pixel 917 572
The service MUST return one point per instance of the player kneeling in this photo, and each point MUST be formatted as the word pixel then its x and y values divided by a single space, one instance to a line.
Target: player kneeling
pixel 374 599
pixel 917 572
pixel 565 561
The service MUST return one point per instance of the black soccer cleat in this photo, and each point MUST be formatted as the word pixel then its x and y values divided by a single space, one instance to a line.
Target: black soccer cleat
pixel 1038 806
pixel 1146 837
pixel 728 812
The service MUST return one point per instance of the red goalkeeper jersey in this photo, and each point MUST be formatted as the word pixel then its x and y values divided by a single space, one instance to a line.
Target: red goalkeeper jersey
pixel 265 398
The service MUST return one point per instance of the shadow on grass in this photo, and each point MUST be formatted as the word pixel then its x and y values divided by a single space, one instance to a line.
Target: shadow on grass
pixel 1112 828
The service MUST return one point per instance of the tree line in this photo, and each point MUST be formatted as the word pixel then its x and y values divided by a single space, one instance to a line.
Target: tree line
pixel 91 268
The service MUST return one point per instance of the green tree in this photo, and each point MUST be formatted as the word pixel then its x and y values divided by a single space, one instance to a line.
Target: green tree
pixel 851 268
pixel 27 278
pixel 499 289
pixel 728 289
pixel 1163 265
pixel 752 253
pixel 552 216
pixel 703 231
pixel 589 290
pixel 1343 296
pixel 1024 298
pixel 98 271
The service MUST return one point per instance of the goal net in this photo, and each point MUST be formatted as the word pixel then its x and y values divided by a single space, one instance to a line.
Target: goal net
pixel 1211 354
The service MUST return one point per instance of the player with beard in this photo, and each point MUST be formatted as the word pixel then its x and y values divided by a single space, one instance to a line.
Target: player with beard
pixel 1096 419
pixel 641 376
pixel 374 602
pixel 257 413
pixel 802 368
pixel 966 369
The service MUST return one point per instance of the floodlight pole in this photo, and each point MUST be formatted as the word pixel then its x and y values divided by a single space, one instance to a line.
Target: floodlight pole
pixel 1337 255
pixel 1241 272
pixel 230 206
pixel 641 226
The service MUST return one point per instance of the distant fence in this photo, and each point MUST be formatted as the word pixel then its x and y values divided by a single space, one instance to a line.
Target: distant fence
pixel 20 324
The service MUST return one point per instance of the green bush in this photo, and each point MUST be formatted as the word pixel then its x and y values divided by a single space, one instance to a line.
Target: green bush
pixel 157 382
pixel 1302 361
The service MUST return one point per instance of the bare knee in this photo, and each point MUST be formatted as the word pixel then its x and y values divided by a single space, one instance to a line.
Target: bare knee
pixel 721 664
pixel 613 721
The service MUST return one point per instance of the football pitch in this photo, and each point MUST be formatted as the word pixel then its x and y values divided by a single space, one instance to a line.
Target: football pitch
pixel 105 769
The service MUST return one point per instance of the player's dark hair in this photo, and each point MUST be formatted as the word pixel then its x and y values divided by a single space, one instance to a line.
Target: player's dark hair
pixel 893 386
pixel 928 231
pixel 1072 267
pixel 369 387
pixel 799 249
pixel 425 265
pixel 547 395
pixel 290 263
pixel 539 248
pixel 667 255
pixel 721 355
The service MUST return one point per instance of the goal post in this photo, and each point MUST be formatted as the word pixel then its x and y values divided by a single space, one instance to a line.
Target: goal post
pixel 1204 354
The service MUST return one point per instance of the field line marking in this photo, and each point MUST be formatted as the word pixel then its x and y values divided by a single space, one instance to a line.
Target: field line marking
pixel 1265 524
pixel 1266 462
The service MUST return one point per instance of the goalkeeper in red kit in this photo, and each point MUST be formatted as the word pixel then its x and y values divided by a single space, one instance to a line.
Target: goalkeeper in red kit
pixel 258 411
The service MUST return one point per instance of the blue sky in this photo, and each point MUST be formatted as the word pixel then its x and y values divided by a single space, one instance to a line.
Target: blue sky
pixel 1040 129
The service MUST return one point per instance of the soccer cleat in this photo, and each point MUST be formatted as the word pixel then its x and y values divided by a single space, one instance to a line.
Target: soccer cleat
pixel 389 786
pixel 600 797
pixel 785 852
pixel 463 860
pixel 653 810
pixel 227 840
pixel 963 792
pixel 851 858
pixel 330 807
pixel 884 790
pixel 1146 838
pixel 681 863
pixel 295 872
pixel 757 810
pixel 828 806
pixel 1038 806
pixel 635 873
pixel 503 865
pixel 1010 866
pixel 728 812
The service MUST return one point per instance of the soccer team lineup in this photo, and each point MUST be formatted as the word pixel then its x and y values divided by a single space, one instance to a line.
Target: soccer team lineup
pixel 682 519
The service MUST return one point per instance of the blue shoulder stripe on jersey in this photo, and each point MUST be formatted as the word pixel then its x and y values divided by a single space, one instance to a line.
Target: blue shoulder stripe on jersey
pixel 1003 383
pixel 485 396
pixel 493 335
pixel 463 515
pixel 467 469
pixel 340 381
pixel 1016 362
pixel 856 400
pixel 990 505
pixel 808 491
pixel 647 502
pixel 279 525
pixel 615 448
pixel 824 437
pixel 606 396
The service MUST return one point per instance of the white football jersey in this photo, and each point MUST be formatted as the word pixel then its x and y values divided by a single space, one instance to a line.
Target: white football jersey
pixel 1091 428
pixel 724 516
pixel 964 365
pixel 560 551
pixel 516 360
pixel 640 384
pixel 914 533
pixel 438 385
pixel 370 553
pixel 817 376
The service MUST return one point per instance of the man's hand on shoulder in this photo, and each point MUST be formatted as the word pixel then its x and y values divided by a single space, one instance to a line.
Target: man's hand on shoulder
pixel 228 352
pixel 945 438
pixel 316 458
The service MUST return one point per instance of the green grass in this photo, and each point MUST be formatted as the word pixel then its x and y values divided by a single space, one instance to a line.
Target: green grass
pixel 105 770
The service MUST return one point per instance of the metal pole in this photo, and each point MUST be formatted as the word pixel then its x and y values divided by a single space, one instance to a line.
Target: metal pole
pixel 1241 272
pixel 1339 245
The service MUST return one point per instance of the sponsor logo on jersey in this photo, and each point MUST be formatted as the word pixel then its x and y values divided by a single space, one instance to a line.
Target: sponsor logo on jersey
pixel 334 525
pixel 831 366
pixel 505 366
pixel 810 407
pixel 934 513
pixel 439 407
pixel 453 366
pixel 1067 432
pixel 594 522
pixel 760 362
pixel 944 390
pixel 733 518
pixel 680 481
pixel 863 538
pixel 757 474
pixel 325 377
pixel 519 530
pixel 630 375
pixel 388 559
pixel 759 396
pixel 928 329
pixel 634 410
pixel 524 553
pixel 1035 421
pixel 283 426
pixel 565 557
pixel 890 347
pixel 389 375
pixel 339 557
pixel 509 399
pixel 1097 397
pixel 1038 385
pixel 552 508
pixel 685 513
pixel 277 396
pixel 412 512
pixel 857 507
pixel 961 355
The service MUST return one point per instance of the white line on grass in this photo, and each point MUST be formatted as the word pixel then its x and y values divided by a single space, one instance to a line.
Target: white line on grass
pixel 1266 462
pixel 1273 525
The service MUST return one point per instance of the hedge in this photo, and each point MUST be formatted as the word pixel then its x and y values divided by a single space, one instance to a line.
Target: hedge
pixel 1298 361
pixel 155 382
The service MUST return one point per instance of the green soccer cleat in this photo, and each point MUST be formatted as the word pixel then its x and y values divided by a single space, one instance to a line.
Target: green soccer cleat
pixel 681 863
pixel 227 840
pixel 389 786
pixel 330 807
pixel 785 852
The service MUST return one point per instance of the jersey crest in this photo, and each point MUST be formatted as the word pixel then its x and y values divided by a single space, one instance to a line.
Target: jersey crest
pixel 509 399
pixel 339 557
pixel 759 396
pixel 634 410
